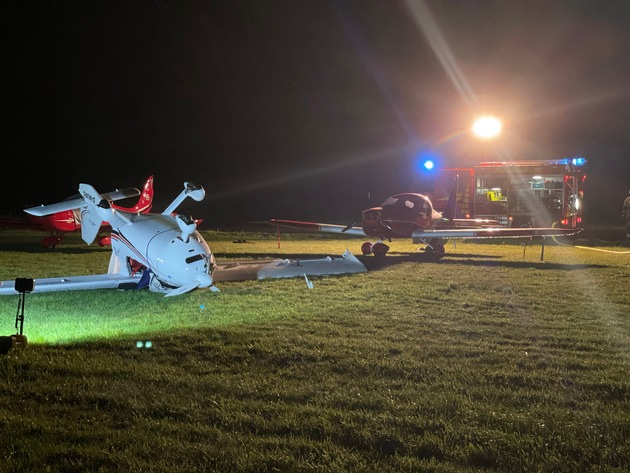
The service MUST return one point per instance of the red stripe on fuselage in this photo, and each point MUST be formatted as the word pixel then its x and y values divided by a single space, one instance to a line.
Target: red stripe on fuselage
pixel 122 239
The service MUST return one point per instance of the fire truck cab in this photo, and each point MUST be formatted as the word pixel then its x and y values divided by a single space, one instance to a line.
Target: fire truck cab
pixel 523 193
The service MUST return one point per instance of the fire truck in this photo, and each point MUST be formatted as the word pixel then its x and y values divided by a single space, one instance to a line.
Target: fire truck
pixel 519 193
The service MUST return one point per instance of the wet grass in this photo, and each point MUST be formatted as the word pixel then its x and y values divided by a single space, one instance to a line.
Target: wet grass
pixel 484 361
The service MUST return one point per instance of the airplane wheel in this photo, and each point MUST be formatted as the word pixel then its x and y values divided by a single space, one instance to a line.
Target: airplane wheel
pixel 105 241
pixel 380 249
pixel 436 251
pixel 366 248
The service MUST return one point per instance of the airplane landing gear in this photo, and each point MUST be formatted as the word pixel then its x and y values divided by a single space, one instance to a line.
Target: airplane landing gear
pixel 437 251
pixel 377 249
pixel 380 249
pixel 366 248
pixel 435 247
pixel 51 241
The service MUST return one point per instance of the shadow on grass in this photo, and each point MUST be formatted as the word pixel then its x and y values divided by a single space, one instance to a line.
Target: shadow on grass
pixel 373 263
pixel 36 247
pixel 523 264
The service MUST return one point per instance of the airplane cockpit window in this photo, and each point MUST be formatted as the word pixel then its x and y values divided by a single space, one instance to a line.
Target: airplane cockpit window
pixel 408 204
pixel 390 201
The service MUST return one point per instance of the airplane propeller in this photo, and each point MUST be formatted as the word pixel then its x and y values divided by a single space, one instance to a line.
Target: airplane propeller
pixel 182 289
pixel 356 222
pixel 203 281
pixel 384 225
pixel 376 218
pixel 187 225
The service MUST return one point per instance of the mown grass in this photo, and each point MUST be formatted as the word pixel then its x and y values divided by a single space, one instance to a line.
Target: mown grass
pixel 484 361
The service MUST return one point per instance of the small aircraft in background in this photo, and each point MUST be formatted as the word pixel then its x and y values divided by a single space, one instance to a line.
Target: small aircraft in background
pixel 410 215
pixel 64 221
pixel 162 251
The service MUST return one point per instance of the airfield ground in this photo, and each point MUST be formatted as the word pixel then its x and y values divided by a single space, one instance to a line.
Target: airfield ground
pixel 488 360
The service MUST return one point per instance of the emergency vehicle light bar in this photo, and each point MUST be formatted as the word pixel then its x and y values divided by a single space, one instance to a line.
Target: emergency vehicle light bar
pixel 575 161
pixel 564 161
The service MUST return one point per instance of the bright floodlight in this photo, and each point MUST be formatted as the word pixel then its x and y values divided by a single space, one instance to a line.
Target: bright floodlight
pixel 486 127
pixel 428 165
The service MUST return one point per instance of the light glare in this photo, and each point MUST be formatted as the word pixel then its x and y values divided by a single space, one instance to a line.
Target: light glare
pixel 487 127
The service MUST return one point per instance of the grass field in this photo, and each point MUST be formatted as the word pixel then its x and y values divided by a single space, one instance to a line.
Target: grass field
pixel 488 360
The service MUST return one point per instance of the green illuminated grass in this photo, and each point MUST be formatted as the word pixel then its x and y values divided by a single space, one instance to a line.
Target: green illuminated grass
pixel 484 361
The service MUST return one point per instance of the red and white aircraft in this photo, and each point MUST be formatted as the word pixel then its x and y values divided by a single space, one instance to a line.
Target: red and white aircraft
pixel 410 215
pixel 163 251
pixel 65 221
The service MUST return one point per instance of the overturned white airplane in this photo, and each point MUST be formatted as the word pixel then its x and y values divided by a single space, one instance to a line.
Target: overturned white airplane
pixel 163 251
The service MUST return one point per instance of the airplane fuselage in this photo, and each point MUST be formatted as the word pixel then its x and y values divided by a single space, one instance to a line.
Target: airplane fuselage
pixel 156 241
pixel 410 215
pixel 399 216
pixel 60 222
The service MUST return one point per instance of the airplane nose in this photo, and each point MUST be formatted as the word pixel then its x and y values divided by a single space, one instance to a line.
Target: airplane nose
pixel 372 213
pixel 205 280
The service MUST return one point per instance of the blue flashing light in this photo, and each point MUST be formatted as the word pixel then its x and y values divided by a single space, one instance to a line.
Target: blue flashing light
pixel 579 161
pixel 426 162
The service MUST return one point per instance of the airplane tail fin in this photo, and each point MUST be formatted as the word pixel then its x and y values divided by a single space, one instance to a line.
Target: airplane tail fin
pixel 90 225
pixel 451 206
pixel 145 202
pixel 93 215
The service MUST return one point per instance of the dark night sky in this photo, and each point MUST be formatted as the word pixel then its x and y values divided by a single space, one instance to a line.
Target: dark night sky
pixel 297 108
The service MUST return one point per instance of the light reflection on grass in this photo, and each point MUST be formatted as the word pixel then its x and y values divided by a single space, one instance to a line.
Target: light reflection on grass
pixel 483 361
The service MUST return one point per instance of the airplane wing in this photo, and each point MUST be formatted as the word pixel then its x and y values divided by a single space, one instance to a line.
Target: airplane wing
pixel 500 232
pixel 72 283
pixel 319 227
pixel 78 202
